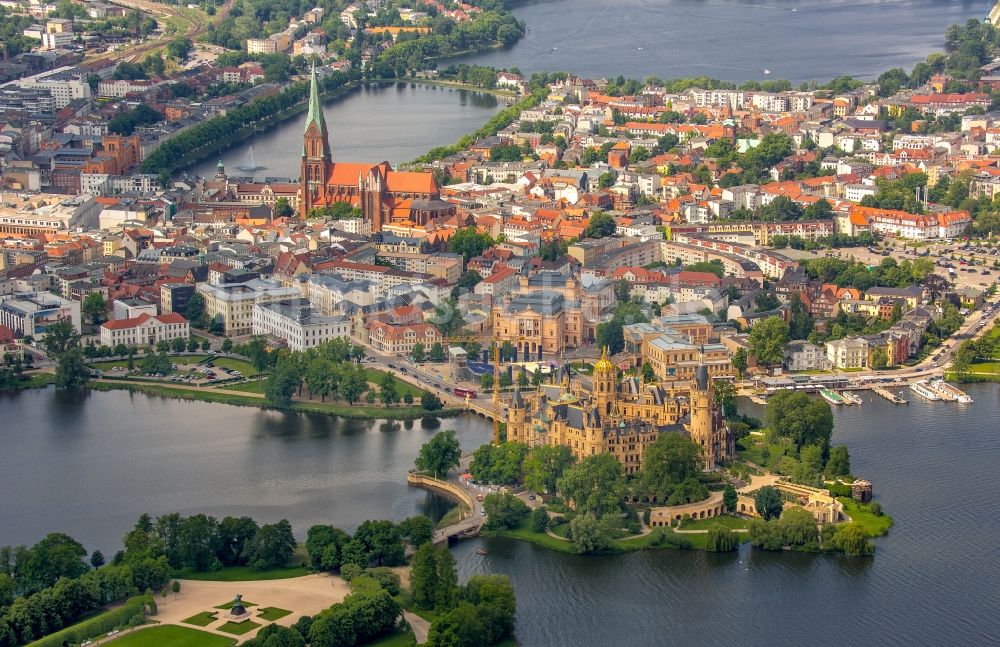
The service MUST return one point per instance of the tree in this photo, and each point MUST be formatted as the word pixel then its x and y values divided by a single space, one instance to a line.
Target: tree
pixel 596 484
pixel 195 311
pixel 72 372
pixel 272 545
pixel 280 385
pixel 839 463
pixel 768 502
pixel 430 402
pixel 880 359
pixel 277 636
pixel 852 539
pixel 97 559
pixel 94 307
pixel 175 588
pixel 439 454
pixel 539 519
pixel 283 208
pixel 648 375
pixel 486 381
pixel 768 339
pixel 418 529
pixel 729 498
pixel 233 536
pixel 600 225
pixel 383 541
pixel 796 416
pixel 418 352
pixel 469 242
pixel 740 361
pixel 437 352
pixel 588 535
pixel 667 463
pixel 721 540
pixel 611 334
pixel 323 545
pixel 544 465
pixel 504 510
pixel 60 336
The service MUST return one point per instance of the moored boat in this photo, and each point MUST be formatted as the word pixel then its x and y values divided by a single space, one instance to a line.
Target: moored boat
pixel 921 389
pixel 831 396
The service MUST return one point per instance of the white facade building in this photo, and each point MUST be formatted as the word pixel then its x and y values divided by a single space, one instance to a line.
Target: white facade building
pixel 298 324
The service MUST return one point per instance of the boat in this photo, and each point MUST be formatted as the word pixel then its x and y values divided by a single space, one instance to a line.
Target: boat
pixel 851 398
pixel 251 164
pixel 950 392
pixel 921 389
pixel 767 71
pixel 481 551
pixel 831 396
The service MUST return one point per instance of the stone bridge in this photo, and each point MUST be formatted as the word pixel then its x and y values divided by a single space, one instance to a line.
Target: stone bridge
pixel 471 521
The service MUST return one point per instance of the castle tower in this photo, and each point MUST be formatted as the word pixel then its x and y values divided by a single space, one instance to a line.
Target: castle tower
pixel 605 390
pixel 315 152
pixel 517 430
pixel 220 172
pixel 702 415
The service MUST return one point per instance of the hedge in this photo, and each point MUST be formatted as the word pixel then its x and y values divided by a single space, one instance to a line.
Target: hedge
pixel 132 613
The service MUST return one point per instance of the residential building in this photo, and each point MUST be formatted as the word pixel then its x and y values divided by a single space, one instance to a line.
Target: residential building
pixel 31 313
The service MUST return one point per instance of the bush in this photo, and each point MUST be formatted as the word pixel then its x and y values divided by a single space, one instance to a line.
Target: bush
pixel 838 489
pixel 876 509
pixel 386 578
pixel 350 571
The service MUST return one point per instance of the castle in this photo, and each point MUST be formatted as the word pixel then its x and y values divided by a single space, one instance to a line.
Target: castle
pixel 385 197
pixel 620 416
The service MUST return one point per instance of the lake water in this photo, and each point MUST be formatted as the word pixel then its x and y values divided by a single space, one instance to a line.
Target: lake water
pixel 393 122
pixel 88 465
pixel 736 40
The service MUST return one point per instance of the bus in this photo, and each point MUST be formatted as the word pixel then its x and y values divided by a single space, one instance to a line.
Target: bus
pixel 464 393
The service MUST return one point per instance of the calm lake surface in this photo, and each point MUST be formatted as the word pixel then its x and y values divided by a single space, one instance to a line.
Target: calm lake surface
pixel 88 465
pixel 736 40
pixel 392 122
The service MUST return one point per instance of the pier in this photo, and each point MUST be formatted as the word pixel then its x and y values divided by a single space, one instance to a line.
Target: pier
pixel 888 395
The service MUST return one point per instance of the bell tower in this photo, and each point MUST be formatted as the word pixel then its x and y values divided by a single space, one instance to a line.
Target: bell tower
pixel 605 387
pixel 315 152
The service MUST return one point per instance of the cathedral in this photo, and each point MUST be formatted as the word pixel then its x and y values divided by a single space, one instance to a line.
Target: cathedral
pixel 620 416
pixel 385 197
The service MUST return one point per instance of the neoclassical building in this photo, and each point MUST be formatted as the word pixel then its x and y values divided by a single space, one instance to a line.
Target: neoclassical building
pixel 622 416
pixel 385 196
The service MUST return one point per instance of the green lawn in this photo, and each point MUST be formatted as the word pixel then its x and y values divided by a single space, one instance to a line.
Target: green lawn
pixel 272 613
pixel 253 386
pixel 402 387
pixel 239 628
pixel 229 605
pixel 240 574
pixel 724 520
pixel 525 533
pixel 32 381
pixel 874 525
pixel 203 619
pixel 173 636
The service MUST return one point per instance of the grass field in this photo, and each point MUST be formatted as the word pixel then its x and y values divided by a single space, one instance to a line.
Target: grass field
pixel 253 386
pixel 240 574
pixel 186 361
pixel 239 628
pixel 173 636
pixel 272 613
pixel 203 619
pixel 723 520
pixel 33 381
pixel 375 376
pixel 874 525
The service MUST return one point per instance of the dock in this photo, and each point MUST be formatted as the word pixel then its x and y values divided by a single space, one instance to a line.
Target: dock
pixel 888 395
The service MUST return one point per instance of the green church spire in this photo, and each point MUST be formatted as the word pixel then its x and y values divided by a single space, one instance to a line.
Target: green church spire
pixel 315 107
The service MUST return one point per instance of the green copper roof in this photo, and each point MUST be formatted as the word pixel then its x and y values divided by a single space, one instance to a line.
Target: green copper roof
pixel 315 108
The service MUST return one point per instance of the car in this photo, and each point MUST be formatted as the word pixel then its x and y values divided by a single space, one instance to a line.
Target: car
pixel 391 365
pixel 482 513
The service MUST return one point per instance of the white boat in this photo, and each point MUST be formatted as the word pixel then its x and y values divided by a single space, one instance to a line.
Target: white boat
pixel 851 398
pixel 921 389
pixel 831 396
pixel 950 392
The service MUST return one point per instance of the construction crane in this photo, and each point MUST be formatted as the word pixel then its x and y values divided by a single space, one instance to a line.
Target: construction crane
pixel 496 342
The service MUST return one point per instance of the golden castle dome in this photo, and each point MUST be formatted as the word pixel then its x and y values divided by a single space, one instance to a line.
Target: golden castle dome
pixel 604 365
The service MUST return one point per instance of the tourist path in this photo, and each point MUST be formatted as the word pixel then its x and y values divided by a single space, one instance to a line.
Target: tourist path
pixel 419 626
